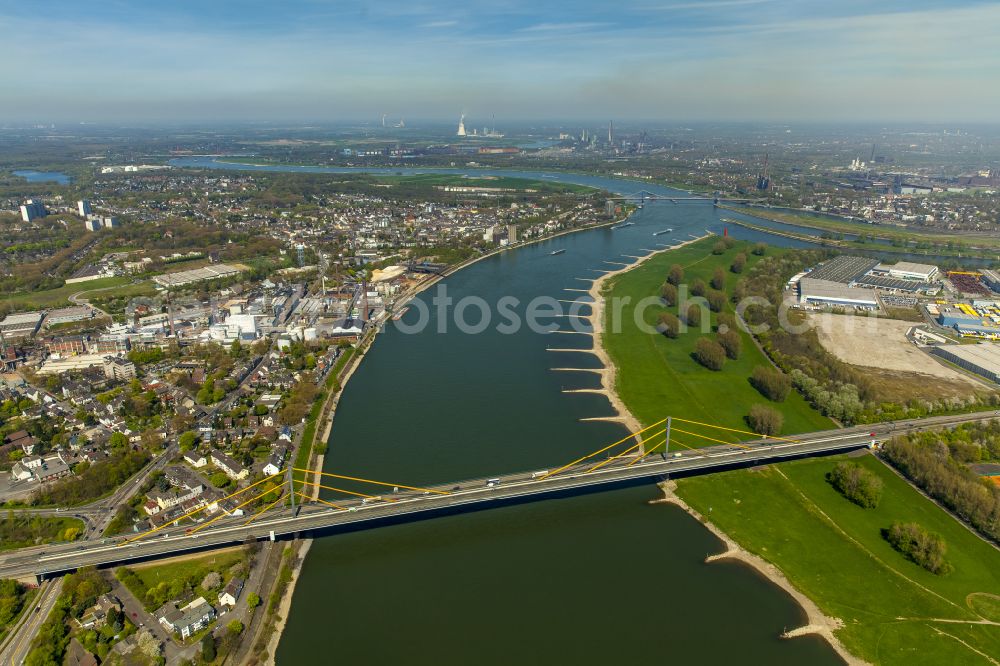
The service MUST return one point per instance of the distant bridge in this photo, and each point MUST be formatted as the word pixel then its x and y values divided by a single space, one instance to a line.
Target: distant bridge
pixel 643 196
pixel 624 463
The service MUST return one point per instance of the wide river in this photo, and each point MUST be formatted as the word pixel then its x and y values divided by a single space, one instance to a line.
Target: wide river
pixel 598 579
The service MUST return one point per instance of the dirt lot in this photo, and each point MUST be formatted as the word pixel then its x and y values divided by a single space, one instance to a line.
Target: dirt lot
pixel 874 342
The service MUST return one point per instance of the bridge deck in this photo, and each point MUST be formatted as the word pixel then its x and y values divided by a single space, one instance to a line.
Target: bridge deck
pixel 462 496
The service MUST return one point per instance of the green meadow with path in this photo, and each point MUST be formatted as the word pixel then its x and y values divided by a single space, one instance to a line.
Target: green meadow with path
pixel 832 550
pixel 893 611
pixel 657 376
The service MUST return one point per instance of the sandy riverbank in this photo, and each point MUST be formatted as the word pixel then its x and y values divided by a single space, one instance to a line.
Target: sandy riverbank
pixel 596 319
pixel 816 621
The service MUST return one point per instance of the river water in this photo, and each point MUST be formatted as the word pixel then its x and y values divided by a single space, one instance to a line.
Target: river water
pixel 598 579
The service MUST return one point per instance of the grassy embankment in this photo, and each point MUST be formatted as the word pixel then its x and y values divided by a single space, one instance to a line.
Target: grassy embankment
pixel 21 530
pixel 332 385
pixel 657 376
pixel 894 611
pixel 52 298
pixel 898 239
pixel 832 550
pixel 155 583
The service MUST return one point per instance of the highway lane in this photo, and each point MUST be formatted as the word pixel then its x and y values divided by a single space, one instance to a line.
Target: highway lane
pixel 463 495
pixel 19 643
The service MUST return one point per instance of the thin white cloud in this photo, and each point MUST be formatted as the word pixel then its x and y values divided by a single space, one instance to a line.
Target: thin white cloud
pixel 563 27
pixel 438 24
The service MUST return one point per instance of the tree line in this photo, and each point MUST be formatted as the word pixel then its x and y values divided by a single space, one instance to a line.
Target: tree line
pixel 929 460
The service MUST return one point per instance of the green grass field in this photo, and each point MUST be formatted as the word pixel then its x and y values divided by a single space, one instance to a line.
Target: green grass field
pixel 894 612
pixel 657 376
pixel 52 298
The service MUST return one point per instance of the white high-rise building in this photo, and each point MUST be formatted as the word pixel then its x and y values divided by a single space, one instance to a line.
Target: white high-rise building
pixel 461 125
pixel 32 209
pixel 83 207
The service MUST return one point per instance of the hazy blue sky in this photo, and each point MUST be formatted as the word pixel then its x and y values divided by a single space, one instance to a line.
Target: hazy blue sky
pixel 68 60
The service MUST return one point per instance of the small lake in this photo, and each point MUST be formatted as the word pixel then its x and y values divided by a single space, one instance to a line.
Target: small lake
pixel 43 176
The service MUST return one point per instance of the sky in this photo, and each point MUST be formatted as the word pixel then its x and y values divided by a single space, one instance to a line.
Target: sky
pixel 337 61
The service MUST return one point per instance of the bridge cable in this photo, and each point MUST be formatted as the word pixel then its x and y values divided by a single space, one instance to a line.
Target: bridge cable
pixel 223 514
pixel 651 451
pixel 341 490
pixel 198 510
pixel 380 483
pixel 712 439
pixel 257 515
pixel 318 499
pixel 745 432
pixel 626 451
pixel 609 446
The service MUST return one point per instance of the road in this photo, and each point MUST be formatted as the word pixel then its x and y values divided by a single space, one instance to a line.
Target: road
pixel 19 643
pixel 456 497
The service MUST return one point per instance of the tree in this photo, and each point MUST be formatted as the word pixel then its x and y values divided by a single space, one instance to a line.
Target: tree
pixel 772 383
pixel 739 263
pixel 919 546
pixel 669 325
pixel 719 279
pixel 693 315
pixel 731 342
pixel 253 600
pixel 856 484
pixel 765 420
pixel 698 287
pixel 235 627
pixel 760 249
pixel 668 293
pixel 719 248
pixel 676 275
pixel 710 354
pixel 208 647
pixel 187 440
pixel 716 301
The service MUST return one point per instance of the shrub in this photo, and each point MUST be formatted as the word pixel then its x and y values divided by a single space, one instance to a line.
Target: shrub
pixel 765 420
pixel 772 383
pixel 693 315
pixel 726 322
pixel 676 275
pixel 716 300
pixel 919 546
pixel 669 325
pixel 698 288
pixel 760 249
pixel 668 293
pixel 719 247
pixel 731 342
pixel 710 354
pixel 856 484
pixel 719 279
pixel 739 263
pixel 208 647
pixel 728 242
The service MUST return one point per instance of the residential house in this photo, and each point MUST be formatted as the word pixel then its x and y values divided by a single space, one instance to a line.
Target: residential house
pixel 231 467
pixel 188 619
pixel 231 593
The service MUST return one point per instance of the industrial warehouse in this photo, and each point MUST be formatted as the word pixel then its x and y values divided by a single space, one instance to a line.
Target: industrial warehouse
pixel 856 282
pixel 982 359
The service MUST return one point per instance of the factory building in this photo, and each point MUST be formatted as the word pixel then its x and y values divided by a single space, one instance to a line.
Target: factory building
pixel 828 292
pixel 970 321
pixel 908 270
pixel 991 279
pixel 982 359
